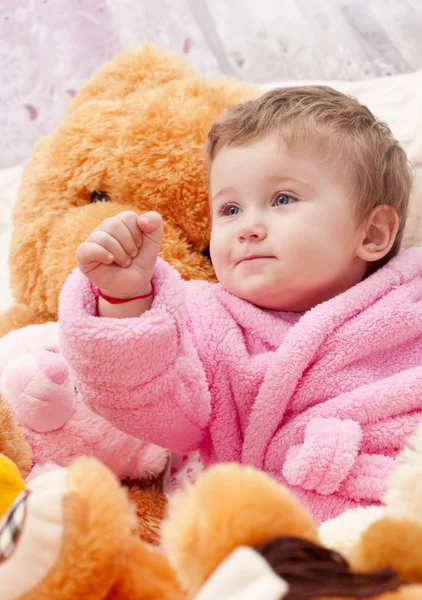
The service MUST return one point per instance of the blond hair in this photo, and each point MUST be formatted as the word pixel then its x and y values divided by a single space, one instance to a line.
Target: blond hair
pixel 343 128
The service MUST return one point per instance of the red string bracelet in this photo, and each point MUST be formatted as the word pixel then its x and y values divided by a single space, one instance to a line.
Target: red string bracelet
pixel 123 300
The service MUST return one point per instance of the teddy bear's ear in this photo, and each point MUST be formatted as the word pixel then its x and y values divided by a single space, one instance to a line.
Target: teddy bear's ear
pixel 229 506
pixel 143 67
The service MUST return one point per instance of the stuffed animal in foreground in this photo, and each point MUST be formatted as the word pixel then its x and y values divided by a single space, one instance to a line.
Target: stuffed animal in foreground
pixel 234 535
pixel 12 483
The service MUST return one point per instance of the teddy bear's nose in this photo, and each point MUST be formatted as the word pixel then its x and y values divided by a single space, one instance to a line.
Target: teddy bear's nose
pixel 99 196
pixel 53 366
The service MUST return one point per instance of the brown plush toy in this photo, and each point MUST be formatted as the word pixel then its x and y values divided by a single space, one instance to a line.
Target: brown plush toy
pixel 132 139
pixel 234 535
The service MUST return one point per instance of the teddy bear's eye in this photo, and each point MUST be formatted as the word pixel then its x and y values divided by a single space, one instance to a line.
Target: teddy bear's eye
pixel 99 196
pixel 206 252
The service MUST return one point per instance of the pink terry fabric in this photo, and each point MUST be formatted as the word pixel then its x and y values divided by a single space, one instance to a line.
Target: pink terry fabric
pixel 323 401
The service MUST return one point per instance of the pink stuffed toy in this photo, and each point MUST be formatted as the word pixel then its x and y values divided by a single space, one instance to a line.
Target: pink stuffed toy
pixel 58 426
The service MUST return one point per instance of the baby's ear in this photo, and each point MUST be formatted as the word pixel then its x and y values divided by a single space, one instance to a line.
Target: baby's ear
pixel 379 233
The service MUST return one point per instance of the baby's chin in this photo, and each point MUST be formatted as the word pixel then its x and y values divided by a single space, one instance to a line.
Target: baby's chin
pixel 271 298
pixel 270 289
pixel 257 295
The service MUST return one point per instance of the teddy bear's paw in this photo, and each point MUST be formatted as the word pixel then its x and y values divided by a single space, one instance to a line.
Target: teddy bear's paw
pixel 38 388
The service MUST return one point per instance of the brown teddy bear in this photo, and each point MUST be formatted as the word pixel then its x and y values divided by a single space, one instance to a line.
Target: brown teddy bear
pixel 132 139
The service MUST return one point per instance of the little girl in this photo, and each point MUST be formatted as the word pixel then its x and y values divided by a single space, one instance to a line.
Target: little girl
pixel 306 358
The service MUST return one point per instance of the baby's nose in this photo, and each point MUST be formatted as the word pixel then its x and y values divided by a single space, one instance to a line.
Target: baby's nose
pixel 252 233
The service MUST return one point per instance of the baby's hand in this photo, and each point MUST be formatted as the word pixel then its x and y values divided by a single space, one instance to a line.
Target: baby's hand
pixel 119 256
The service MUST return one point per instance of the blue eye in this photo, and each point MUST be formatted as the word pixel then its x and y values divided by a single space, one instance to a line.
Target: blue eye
pixel 284 199
pixel 229 210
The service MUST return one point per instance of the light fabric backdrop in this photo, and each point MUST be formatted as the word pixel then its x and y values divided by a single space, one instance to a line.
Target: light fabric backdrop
pixel 48 48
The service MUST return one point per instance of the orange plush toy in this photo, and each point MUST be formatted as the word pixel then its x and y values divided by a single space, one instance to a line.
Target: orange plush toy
pixel 132 139
pixel 234 535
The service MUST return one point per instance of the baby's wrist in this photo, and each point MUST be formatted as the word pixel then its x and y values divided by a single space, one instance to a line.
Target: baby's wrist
pixel 124 307
pixel 143 292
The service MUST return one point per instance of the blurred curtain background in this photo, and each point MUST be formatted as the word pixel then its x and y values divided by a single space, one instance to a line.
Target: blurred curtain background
pixel 49 48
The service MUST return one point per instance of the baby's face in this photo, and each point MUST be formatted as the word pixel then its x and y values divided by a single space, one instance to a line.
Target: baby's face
pixel 284 229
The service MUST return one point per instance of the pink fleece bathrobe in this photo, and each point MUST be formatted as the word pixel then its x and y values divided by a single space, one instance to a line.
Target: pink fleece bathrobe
pixel 322 400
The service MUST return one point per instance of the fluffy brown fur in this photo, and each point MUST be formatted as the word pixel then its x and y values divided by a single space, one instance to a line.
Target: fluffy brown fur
pixel 12 440
pixel 150 507
pixel 227 507
pixel 393 542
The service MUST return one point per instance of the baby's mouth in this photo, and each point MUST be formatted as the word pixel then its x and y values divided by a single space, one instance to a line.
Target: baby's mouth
pixel 255 258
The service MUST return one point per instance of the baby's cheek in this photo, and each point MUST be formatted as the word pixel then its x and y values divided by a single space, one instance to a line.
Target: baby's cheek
pixel 220 253
pixel 219 262
pixel 306 241
pixel 314 253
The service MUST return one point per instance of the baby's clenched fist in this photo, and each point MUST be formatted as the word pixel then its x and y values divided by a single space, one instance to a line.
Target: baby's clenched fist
pixel 119 256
